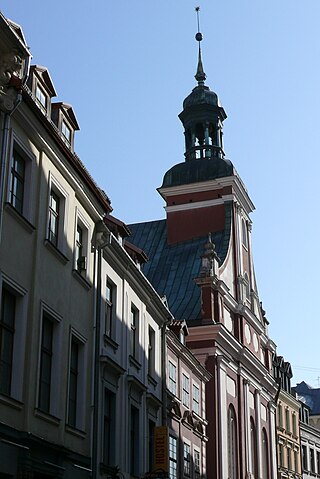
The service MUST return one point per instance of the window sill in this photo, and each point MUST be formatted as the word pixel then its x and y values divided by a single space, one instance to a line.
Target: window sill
pixel 82 280
pixel 20 218
pixel 9 401
pixel 51 247
pixel 47 417
pixel 75 432
pixel 152 381
pixel 110 342
pixel 134 362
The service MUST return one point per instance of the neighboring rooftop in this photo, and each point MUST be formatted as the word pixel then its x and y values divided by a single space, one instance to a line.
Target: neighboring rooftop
pixel 308 395
pixel 171 269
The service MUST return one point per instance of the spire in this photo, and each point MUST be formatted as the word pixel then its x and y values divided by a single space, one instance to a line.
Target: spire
pixel 200 76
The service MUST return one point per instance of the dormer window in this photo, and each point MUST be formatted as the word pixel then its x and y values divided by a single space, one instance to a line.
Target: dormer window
pixel 41 97
pixel 66 131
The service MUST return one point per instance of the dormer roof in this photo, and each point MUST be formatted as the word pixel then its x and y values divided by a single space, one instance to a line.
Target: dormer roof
pixel 44 75
pixel 68 112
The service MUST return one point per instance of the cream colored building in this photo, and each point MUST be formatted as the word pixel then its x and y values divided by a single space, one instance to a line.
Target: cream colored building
pixel 81 329
pixel 287 420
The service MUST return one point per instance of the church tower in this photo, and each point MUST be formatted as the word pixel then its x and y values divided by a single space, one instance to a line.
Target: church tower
pixel 201 260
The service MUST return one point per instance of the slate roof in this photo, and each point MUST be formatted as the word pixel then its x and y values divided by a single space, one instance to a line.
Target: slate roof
pixel 310 396
pixel 171 269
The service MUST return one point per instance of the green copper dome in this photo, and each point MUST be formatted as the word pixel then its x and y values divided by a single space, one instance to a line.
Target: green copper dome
pixel 201 95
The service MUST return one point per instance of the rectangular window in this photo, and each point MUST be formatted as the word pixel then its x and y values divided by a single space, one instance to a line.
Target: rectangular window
pixel 134 442
pixel 46 363
pixel 152 355
pixel 289 465
pixel 318 462
pixel 65 130
pixel 287 420
pixel 195 399
pixel 7 329
pixel 109 428
pixel 110 308
pixel 296 465
pixel 134 336
pixel 185 390
pixel 304 458
pixel 54 207
pixel 73 383
pixel 151 445
pixel 172 457
pixel 172 378
pixel 294 424
pixel 17 181
pixel 281 454
pixel 80 264
pixel 196 464
pixel 280 419
pixel 186 459
pixel 312 461
pixel 41 97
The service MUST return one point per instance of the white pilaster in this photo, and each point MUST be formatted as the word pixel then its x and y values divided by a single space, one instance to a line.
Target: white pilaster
pixel 223 416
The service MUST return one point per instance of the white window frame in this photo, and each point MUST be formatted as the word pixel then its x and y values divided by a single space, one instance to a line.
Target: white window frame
pixel 187 460
pixel 195 385
pixel 175 392
pixel 184 393
pixel 196 473
pixel 39 87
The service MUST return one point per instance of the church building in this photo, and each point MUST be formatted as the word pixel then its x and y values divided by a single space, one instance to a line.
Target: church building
pixel 200 259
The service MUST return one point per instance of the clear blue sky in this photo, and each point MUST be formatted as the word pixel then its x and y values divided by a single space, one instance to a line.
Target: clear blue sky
pixel 127 65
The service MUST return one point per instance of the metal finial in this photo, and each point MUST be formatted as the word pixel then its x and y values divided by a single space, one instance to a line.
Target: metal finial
pixel 200 76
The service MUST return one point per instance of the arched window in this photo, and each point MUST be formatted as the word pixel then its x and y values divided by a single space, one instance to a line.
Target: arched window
pixel 265 455
pixel 253 447
pixel 232 444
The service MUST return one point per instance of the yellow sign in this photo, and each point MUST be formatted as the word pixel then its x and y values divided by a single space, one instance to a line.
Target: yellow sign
pixel 161 445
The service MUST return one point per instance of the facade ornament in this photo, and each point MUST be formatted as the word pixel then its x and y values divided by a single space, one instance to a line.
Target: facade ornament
pixel 10 80
pixel 209 260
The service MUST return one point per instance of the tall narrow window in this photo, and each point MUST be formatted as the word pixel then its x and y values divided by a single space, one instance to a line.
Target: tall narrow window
pixel 152 352
pixel 196 464
pixel 109 428
pixel 195 399
pixel 17 181
pixel 294 424
pixel 312 461
pixel 172 386
pixel 65 130
pixel 289 462
pixel 281 462
pixel 41 97
pixel 151 444
pixel 186 459
pixel 172 457
pixel 232 444
pixel 280 419
pixel 288 420
pixel 7 327
pixel 46 364
pixel 244 234
pixel 253 447
pixel 110 308
pixel 73 383
pixel 54 218
pixel 134 442
pixel 304 458
pixel 185 390
pixel 265 455
pixel 134 323
pixel 79 248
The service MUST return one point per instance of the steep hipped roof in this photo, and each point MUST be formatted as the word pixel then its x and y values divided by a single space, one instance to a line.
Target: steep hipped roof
pixel 310 396
pixel 171 269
